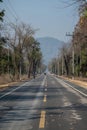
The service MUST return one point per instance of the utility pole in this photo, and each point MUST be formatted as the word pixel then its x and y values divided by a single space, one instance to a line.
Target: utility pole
pixel 73 67
pixel 20 70
pixel 34 60
pixel 8 61
pixel 8 51
pixel 62 64
pixel 73 57
pixel 58 67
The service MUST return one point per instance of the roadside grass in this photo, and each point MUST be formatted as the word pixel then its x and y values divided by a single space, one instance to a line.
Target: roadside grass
pixel 6 80
pixel 82 82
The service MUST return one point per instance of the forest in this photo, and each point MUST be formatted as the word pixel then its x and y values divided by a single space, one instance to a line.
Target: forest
pixel 20 52
pixel 72 57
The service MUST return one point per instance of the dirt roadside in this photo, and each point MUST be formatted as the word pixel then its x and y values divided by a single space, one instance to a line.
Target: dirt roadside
pixel 10 84
pixel 4 86
pixel 15 83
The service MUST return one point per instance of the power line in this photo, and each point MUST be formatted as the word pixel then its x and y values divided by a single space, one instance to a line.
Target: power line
pixel 7 18
pixel 11 12
pixel 13 8
pixel 71 3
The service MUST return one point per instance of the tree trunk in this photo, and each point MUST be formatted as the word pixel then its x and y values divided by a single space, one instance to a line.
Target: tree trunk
pixel 66 65
pixel 29 70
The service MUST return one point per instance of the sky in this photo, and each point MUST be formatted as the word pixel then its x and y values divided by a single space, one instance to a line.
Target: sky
pixel 51 18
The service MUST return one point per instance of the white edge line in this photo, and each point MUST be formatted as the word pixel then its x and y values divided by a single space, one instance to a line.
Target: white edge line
pixel 8 93
pixel 73 88
pixel 77 90
pixel 35 101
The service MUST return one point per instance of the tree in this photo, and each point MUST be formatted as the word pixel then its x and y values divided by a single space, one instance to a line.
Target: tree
pixel 3 55
pixel 80 41
pixel 67 57
pixel 25 49
pixel 36 56
pixel 33 54
pixel 53 66
pixel 1 13
pixel 17 39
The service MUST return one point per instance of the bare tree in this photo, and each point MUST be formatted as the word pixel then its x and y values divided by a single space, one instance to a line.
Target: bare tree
pixel 18 35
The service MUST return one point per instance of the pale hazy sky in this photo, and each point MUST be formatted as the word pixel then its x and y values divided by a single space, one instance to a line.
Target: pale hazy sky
pixel 51 17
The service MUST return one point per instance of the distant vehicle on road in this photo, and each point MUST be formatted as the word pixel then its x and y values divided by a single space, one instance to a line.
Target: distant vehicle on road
pixel 44 73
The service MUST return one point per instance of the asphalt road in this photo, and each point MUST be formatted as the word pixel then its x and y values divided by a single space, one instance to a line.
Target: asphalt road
pixel 47 103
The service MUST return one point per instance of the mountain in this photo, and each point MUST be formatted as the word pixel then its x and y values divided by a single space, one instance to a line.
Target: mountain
pixel 49 47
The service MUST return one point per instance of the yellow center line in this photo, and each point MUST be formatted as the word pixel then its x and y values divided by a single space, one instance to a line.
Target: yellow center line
pixel 46 85
pixel 45 98
pixel 45 89
pixel 42 119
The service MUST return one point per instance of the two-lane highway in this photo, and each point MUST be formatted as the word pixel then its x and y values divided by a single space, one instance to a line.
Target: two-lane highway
pixel 46 103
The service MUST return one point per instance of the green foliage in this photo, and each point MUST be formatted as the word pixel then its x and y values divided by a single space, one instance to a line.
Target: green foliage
pixel 2 13
pixel 84 62
pixel 85 13
pixel 3 61
pixel 23 55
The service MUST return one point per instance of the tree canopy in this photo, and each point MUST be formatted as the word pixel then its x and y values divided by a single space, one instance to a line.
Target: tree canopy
pixel 1 12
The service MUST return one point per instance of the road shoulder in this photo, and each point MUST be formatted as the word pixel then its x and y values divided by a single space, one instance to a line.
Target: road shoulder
pixel 82 84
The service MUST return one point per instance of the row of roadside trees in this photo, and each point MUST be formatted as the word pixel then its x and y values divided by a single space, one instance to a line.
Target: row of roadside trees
pixel 20 52
pixel 72 57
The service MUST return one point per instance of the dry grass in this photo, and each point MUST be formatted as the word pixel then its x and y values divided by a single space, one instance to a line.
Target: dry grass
pixel 5 78
pixel 82 82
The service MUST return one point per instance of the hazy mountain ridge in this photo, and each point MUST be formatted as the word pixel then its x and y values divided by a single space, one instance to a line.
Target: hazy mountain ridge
pixel 49 47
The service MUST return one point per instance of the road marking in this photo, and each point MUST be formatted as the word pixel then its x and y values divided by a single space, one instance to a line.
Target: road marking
pixel 42 119
pixel 77 90
pixel 45 98
pixel 8 93
pixel 62 82
pixel 46 85
pixel 53 82
pixel 45 89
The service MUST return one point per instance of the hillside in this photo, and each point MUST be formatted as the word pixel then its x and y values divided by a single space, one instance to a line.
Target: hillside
pixel 50 47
